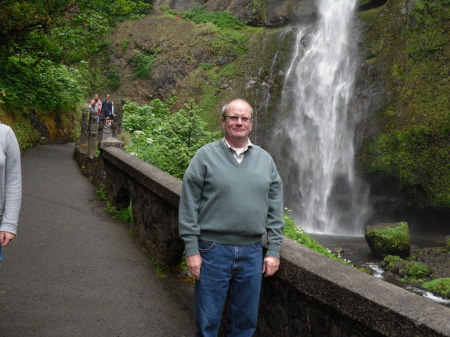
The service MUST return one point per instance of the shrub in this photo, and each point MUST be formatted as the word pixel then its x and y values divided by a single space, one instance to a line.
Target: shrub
pixel 220 19
pixel 143 64
pixel 415 271
pixel 164 139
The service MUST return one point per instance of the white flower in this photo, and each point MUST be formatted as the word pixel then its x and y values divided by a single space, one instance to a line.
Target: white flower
pixel 138 132
pixel 149 140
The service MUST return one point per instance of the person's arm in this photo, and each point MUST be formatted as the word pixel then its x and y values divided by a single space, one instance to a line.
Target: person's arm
pixel 275 225
pixel 13 190
pixel 189 229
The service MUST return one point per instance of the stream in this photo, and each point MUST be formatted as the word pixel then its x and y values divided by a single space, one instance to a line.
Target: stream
pixel 355 250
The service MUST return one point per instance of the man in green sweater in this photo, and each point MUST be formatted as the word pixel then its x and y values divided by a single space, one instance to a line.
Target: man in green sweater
pixel 231 196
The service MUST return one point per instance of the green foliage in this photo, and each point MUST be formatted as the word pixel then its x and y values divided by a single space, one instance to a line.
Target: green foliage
pixel 392 263
pixel 420 159
pixel 113 76
pixel 169 11
pixel 255 4
pixel 143 64
pixel 228 39
pixel 124 44
pixel 415 271
pixel 44 46
pixel 25 134
pixel 297 234
pixel 440 286
pixel 164 139
pixel 223 20
pixel 47 86
pixel 229 43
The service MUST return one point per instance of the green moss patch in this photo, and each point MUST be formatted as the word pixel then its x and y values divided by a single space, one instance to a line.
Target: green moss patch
pixel 389 239
pixel 440 286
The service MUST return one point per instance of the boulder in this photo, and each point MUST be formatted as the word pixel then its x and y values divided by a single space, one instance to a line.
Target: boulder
pixel 389 239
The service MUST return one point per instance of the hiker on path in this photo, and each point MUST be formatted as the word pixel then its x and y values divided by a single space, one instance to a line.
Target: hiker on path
pixel 107 110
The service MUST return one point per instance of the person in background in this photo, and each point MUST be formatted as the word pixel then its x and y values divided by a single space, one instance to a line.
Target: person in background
pixel 10 186
pixel 231 195
pixel 98 105
pixel 94 108
pixel 99 102
pixel 108 110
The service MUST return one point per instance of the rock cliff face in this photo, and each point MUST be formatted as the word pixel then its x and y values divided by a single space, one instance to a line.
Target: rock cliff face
pixel 267 13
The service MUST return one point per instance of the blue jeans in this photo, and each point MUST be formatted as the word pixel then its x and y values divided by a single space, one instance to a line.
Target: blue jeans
pixel 233 272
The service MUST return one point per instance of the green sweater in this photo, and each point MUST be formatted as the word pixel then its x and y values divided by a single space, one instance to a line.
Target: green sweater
pixel 230 203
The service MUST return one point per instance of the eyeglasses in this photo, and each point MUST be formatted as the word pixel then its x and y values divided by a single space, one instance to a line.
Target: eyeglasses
pixel 235 119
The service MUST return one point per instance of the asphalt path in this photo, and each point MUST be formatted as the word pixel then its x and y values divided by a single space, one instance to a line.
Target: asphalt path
pixel 73 270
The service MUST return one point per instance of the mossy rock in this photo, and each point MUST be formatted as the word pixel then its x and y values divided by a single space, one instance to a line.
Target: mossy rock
pixel 409 270
pixel 440 286
pixel 389 239
pixel 393 263
pixel 415 271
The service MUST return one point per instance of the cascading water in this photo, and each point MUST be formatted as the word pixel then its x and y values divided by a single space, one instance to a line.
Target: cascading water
pixel 321 187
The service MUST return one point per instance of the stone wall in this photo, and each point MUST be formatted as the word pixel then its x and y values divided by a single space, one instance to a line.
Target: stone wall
pixel 311 295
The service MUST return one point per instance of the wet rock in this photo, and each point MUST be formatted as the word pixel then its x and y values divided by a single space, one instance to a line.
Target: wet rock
pixel 389 239
pixel 338 250
pixel 364 5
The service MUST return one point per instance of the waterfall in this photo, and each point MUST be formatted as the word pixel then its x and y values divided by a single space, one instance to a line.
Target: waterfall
pixel 316 140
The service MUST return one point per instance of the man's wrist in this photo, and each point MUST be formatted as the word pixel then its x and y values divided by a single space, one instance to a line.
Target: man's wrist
pixel 273 254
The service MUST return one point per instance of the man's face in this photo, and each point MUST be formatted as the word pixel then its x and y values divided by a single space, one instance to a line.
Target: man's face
pixel 237 130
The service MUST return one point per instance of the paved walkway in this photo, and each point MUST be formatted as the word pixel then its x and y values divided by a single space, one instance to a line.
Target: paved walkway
pixel 74 271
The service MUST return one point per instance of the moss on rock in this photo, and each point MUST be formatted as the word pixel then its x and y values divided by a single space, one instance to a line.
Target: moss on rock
pixel 406 48
pixel 440 286
pixel 389 239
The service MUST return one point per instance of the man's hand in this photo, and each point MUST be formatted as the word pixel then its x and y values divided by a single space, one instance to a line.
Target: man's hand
pixel 194 264
pixel 6 238
pixel 270 265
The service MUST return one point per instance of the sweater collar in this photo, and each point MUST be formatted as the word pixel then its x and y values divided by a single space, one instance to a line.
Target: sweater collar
pixel 238 150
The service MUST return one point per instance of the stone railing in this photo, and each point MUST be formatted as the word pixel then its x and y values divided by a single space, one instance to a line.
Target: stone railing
pixel 311 295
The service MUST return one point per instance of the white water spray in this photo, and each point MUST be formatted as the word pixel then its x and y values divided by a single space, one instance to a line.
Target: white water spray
pixel 326 196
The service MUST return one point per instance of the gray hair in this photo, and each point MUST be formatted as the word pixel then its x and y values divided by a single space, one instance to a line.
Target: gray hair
pixel 225 107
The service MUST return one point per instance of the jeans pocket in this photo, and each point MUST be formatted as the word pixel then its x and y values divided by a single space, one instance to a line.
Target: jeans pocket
pixel 257 246
pixel 205 246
